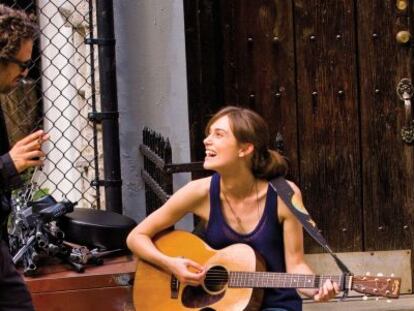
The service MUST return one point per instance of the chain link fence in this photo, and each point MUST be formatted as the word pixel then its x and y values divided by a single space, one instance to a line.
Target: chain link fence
pixel 57 96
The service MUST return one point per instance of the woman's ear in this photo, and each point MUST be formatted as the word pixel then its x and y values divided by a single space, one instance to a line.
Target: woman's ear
pixel 246 149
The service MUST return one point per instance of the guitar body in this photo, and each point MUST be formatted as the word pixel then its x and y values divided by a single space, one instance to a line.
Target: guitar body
pixel 155 289
pixel 234 279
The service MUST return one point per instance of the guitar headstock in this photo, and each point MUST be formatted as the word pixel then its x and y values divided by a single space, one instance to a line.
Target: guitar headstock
pixel 377 285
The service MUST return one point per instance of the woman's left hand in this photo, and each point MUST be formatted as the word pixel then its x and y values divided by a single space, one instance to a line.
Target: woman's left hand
pixel 328 291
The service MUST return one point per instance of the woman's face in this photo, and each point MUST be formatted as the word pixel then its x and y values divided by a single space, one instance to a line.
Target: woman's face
pixel 221 145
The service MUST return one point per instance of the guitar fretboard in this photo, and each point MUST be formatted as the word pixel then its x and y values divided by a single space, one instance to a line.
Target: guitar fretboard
pixel 281 280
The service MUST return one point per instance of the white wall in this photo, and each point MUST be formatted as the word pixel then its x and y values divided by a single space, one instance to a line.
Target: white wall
pixel 152 88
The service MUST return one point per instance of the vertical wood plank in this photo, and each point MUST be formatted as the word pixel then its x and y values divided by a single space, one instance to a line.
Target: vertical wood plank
pixel 259 66
pixel 387 162
pixel 204 67
pixel 328 119
pixel 225 67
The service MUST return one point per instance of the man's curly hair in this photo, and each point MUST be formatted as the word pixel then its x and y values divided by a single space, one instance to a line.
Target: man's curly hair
pixel 15 27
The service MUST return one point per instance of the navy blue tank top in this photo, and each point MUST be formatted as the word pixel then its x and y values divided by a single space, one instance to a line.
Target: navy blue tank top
pixel 266 239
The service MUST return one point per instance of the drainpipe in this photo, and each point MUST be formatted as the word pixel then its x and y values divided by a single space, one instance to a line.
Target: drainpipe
pixel 109 106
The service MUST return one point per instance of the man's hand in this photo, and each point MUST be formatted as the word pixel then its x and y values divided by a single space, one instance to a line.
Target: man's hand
pixel 27 151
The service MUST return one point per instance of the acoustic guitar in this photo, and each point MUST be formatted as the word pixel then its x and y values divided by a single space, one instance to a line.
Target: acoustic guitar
pixel 234 281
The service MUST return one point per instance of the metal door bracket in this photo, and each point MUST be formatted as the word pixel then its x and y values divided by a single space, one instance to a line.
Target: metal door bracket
pixel 405 92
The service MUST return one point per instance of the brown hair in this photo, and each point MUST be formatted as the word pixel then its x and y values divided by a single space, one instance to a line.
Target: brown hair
pixel 15 27
pixel 250 127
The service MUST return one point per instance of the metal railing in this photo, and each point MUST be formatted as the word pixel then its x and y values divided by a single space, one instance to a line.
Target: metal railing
pixel 158 170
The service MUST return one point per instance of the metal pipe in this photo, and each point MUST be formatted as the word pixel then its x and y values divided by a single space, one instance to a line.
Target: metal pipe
pixel 93 98
pixel 109 104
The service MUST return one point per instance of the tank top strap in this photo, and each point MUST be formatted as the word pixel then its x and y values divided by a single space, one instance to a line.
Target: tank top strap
pixel 215 204
pixel 270 210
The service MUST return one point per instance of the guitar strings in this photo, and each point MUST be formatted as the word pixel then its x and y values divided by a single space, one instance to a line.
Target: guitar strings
pixel 221 273
pixel 218 276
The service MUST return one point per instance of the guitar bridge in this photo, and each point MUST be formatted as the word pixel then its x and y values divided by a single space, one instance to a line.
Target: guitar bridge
pixel 174 286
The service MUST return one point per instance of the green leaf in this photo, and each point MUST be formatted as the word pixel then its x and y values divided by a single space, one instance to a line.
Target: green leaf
pixel 40 193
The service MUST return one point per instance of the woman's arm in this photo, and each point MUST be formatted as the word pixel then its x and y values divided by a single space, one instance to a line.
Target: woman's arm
pixel 190 198
pixel 294 251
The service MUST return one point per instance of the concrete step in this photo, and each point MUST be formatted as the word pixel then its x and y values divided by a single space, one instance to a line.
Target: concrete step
pixel 404 303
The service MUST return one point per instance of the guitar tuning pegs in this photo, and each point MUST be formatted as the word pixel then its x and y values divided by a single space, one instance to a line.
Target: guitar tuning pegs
pixel 380 274
pixel 368 273
pixel 392 275
pixel 365 297
pixel 389 300
pixel 377 298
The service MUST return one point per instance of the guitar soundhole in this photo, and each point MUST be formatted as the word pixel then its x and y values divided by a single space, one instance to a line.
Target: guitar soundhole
pixel 216 279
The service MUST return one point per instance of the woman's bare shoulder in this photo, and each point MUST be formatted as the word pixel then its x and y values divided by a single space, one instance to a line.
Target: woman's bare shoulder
pixel 196 189
pixel 193 197
pixel 200 186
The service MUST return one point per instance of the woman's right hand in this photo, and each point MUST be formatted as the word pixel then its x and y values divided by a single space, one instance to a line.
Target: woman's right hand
pixel 186 270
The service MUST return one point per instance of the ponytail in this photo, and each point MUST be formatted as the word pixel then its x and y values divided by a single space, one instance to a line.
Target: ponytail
pixel 269 164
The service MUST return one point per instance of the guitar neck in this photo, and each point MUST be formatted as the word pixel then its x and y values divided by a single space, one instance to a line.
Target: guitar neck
pixel 282 280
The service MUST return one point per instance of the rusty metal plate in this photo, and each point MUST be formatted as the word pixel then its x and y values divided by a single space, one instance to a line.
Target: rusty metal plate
pixel 396 262
pixel 116 271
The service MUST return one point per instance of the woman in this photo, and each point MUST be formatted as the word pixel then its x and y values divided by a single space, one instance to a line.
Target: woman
pixel 237 206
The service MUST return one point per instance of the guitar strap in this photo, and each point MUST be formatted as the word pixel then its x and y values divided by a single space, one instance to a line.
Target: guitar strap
pixel 286 193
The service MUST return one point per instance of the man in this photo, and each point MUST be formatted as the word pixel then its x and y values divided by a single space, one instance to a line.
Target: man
pixel 17 34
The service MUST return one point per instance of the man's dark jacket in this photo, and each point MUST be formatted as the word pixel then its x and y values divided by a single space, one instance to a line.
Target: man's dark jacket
pixel 9 178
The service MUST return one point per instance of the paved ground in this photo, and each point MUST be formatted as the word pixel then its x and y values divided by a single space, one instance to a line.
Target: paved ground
pixel 404 303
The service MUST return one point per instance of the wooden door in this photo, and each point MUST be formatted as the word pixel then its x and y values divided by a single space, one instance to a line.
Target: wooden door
pixel 387 162
pixel 323 74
